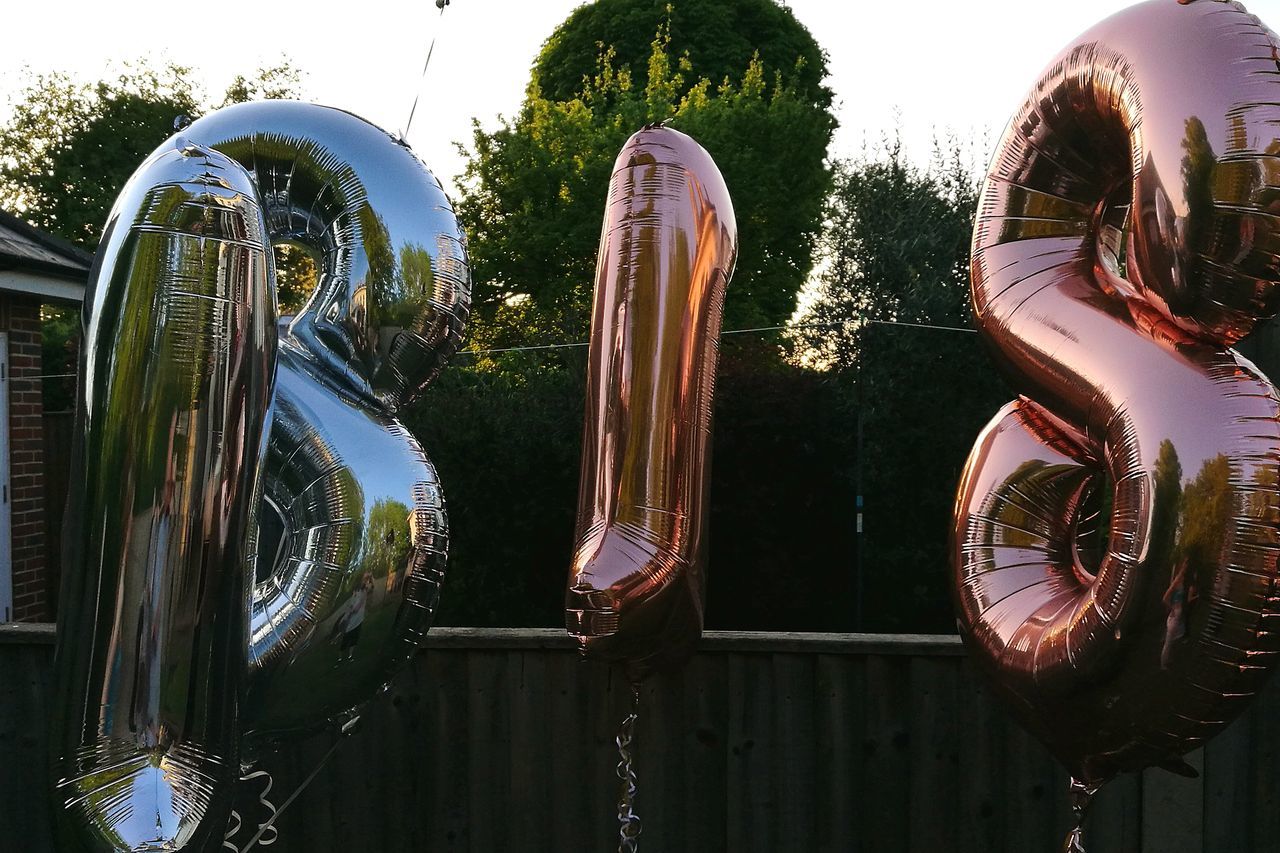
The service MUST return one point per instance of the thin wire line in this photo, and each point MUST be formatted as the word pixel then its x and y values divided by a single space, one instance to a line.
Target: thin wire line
pixel 739 332
pixel 430 50
pixel 521 349
pixel 536 347
pixel 921 326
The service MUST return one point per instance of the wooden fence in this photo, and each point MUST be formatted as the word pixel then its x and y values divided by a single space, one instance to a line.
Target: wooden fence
pixel 501 740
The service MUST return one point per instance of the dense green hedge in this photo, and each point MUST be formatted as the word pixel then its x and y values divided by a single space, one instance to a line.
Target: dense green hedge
pixel 783 494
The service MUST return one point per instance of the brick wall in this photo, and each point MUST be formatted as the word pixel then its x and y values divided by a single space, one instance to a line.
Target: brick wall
pixel 20 318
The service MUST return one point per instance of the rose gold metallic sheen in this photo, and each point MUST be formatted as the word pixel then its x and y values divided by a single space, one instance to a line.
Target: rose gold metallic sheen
pixel 636 586
pixel 1127 234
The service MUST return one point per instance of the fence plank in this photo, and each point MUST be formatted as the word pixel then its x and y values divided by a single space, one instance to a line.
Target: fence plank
pixel 934 755
pixel 24 680
pixel 838 725
pixel 1173 810
pixel 573 757
pixel 794 751
pixel 530 754
pixel 753 813
pixel 981 733
pixel 1262 807
pixel 1114 822
pixel 887 824
pixel 706 766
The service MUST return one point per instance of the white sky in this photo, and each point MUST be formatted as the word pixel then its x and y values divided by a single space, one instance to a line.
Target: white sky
pixel 940 64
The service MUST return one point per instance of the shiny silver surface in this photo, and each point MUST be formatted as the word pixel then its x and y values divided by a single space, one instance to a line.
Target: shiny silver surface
pixel 175 383
pixel 394 285
pixel 350 581
pixel 242 563
pixel 354 530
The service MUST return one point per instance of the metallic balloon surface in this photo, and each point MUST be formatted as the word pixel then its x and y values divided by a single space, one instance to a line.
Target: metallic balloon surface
pixel 190 471
pixel 175 387
pixel 1127 235
pixel 353 534
pixel 667 251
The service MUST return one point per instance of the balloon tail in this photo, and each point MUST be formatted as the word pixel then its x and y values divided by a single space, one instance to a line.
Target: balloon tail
pixel 1081 798
pixel 233 826
pixel 628 820
pixel 269 825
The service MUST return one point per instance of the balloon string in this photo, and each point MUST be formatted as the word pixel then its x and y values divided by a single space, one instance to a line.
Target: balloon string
pixel 237 822
pixel 231 832
pixel 628 820
pixel 418 94
pixel 269 824
pixel 1081 798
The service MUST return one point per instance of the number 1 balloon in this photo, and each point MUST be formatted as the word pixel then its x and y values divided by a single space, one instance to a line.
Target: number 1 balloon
pixel 667 251
pixel 200 423
pixel 1127 235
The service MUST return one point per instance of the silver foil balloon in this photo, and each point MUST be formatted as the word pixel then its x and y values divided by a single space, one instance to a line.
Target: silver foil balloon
pixel 175 384
pixel 175 659
pixel 354 530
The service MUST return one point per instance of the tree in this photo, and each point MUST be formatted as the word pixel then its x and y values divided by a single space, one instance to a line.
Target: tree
pixel 507 446
pixel 270 83
pixel 895 248
pixel 70 146
pixel 60 330
pixel 891 318
pixel 533 191
pixel 504 430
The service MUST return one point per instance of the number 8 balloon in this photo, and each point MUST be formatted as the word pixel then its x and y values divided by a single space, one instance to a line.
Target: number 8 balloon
pixel 1127 234
pixel 174 660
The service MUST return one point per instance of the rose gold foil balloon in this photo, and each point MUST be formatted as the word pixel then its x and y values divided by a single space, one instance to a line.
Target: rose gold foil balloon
pixel 667 251
pixel 1127 234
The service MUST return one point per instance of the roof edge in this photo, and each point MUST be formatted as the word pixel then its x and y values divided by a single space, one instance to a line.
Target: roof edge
pixel 52 242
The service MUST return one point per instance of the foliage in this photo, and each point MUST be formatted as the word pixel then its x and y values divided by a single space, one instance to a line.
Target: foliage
pixel 720 38
pixel 270 83
pixel 895 249
pixel 60 328
pixel 783 489
pixel 534 188
pixel 505 428
pixel 507 448
pixel 69 146
pixel 924 396
pixel 893 286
